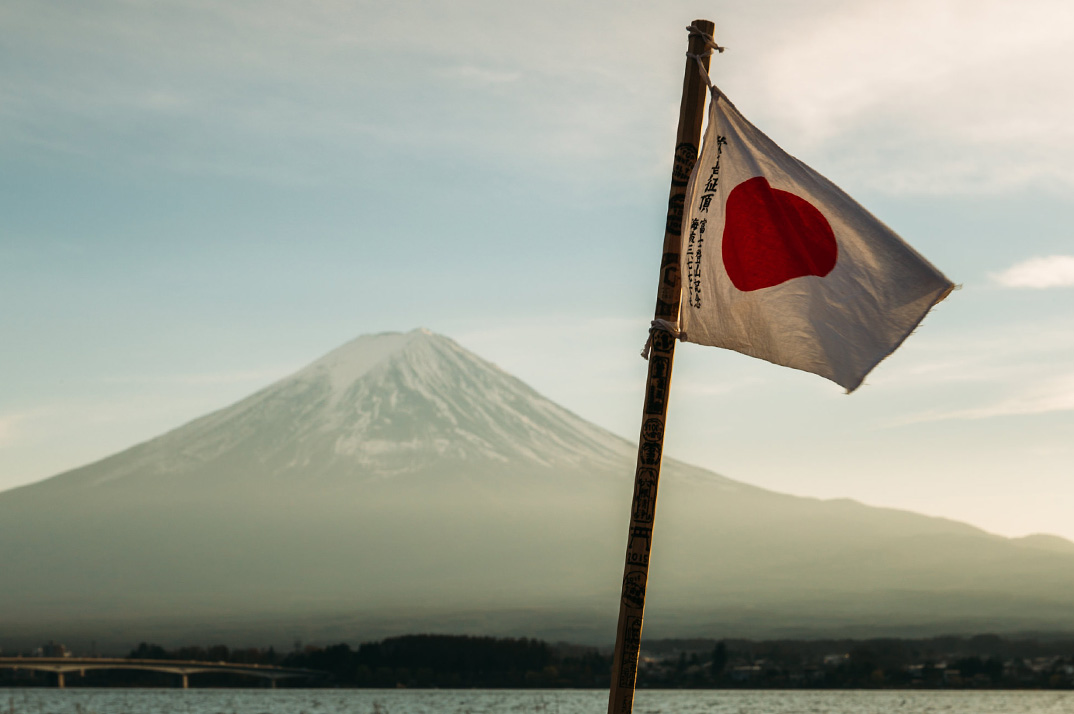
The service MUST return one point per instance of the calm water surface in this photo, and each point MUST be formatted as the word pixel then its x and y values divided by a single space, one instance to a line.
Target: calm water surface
pixel 365 701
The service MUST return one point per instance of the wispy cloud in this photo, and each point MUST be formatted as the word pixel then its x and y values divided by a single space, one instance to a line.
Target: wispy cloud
pixel 1011 369
pixel 15 425
pixel 1053 271
pixel 1000 354
pixel 50 438
pixel 471 74
pixel 135 403
pixel 301 85
pixel 7 429
pixel 207 379
pixel 1051 395
pixel 920 93
pixel 692 387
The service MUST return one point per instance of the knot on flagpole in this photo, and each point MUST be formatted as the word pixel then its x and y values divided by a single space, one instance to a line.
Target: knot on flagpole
pixel 710 44
pixel 663 326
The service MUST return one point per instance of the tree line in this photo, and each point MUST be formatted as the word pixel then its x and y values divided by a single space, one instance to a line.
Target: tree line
pixel 443 661
pixel 449 661
pixel 446 661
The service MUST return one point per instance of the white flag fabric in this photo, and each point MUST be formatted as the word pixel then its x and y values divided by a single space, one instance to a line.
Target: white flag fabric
pixel 778 263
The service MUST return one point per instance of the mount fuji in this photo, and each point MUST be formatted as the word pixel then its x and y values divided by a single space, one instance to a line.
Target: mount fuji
pixel 402 484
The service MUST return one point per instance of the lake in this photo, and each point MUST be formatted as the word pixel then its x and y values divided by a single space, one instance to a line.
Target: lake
pixel 427 701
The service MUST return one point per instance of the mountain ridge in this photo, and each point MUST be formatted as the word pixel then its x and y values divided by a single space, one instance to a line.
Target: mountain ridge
pixel 401 479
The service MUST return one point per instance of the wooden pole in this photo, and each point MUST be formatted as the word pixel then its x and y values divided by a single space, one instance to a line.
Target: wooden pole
pixel 654 415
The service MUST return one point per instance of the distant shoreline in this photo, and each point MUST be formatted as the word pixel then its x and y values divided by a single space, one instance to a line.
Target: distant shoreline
pixel 982 662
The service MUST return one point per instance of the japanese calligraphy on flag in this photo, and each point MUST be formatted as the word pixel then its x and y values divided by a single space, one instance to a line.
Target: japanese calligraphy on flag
pixel 778 263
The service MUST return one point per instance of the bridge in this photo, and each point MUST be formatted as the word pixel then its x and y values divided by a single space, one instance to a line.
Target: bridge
pixel 65 665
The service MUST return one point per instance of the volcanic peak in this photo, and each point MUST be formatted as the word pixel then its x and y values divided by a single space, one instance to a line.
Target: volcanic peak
pixel 353 360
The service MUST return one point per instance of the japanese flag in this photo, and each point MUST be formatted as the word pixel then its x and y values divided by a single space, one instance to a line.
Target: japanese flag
pixel 778 263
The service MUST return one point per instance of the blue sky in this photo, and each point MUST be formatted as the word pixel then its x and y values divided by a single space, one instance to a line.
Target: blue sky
pixel 197 198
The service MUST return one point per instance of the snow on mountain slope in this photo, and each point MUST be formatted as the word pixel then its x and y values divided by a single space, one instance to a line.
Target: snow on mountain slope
pixel 378 406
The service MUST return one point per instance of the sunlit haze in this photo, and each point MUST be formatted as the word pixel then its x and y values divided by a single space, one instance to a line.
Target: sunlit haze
pixel 202 198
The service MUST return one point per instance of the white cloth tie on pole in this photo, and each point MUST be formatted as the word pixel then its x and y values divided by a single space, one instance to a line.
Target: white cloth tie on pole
pixel 711 44
pixel 669 327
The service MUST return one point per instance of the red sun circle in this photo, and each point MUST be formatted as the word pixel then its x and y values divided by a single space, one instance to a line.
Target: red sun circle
pixel 772 236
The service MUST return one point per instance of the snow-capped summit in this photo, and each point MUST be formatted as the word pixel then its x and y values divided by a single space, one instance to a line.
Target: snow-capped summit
pixel 378 406
pixel 397 401
pixel 351 361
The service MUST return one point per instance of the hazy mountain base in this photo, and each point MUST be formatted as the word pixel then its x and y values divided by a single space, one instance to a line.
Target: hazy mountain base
pixel 113 635
pixel 260 575
pixel 401 484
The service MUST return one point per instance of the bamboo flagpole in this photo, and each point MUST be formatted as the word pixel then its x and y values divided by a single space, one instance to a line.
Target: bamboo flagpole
pixel 662 353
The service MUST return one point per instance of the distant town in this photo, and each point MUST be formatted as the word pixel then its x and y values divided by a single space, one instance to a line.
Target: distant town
pixel 446 661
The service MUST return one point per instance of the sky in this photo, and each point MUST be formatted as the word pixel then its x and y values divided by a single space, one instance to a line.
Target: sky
pixel 198 198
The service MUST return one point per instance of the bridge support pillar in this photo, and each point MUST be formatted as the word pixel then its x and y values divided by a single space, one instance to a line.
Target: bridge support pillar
pixel 59 680
pixel 273 680
pixel 186 681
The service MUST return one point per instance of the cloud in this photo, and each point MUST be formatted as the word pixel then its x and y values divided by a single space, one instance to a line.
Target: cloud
pixel 1050 272
pixel 7 429
pixel 926 96
pixel 1008 369
pixel 215 378
pixel 53 437
pixel 907 96
pixel 694 387
pixel 16 427
pixel 1002 353
pixel 471 74
pixel 1047 396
